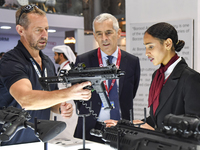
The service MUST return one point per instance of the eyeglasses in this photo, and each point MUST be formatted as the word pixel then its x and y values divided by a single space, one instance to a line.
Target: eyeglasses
pixel 26 9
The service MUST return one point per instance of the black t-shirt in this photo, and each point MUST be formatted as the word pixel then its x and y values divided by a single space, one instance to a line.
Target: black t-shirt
pixel 16 65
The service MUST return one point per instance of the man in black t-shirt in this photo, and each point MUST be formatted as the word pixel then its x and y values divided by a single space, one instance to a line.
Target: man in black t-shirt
pixel 21 68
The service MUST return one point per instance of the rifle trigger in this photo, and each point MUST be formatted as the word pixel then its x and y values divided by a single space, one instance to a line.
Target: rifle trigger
pixel 89 88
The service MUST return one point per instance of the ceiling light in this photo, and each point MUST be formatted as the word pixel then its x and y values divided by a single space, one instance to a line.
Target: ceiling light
pixel 51 30
pixel 5 27
pixel 70 40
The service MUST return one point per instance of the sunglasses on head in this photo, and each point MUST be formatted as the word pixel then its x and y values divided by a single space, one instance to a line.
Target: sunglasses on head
pixel 26 9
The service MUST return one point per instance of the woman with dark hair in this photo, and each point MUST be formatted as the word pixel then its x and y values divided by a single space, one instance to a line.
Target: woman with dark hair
pixel 175 87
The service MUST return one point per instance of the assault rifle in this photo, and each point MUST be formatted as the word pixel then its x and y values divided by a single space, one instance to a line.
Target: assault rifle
pixel 15 119
pixel 179 133
pixel 79 74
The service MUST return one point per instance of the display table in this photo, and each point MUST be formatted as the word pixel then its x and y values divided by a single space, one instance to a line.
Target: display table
pixel 58 145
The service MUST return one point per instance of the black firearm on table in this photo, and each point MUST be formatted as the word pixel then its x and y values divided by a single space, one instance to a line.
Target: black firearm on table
pixel 79 74
pixel 15 119
pixel 179 133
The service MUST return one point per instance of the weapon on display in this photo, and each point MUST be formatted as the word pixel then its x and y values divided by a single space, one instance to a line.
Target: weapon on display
pixel 15 119
pixel 179 133
pixel 79 74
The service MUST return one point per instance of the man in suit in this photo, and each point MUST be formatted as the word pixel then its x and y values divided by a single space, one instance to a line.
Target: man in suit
pixel 122 91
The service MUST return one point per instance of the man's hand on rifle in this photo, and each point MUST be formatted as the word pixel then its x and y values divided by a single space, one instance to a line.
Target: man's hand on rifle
pixel 76 92
pixel 110 122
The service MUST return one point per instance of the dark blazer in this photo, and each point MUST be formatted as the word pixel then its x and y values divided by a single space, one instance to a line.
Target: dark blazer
pixel 180 95
pixel 128 85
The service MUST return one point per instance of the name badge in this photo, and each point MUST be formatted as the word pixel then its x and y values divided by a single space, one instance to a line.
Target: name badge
pixel 111 102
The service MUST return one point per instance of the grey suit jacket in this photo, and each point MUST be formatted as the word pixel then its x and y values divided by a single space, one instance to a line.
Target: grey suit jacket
pixel 128 85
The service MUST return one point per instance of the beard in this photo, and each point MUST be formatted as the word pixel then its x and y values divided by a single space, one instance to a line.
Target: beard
pixel 57 60
pixel 39 45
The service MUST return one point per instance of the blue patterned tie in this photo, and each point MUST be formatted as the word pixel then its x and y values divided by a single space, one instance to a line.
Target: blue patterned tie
pixel 114 97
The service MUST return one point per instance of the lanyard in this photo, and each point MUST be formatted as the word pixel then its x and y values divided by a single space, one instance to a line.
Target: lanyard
pixel 63 67
pixel 36 69
pixel 101 65
pixel 65 64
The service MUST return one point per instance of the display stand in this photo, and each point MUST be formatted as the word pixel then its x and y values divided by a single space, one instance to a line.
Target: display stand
pixel 83 116
pixel 36 134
